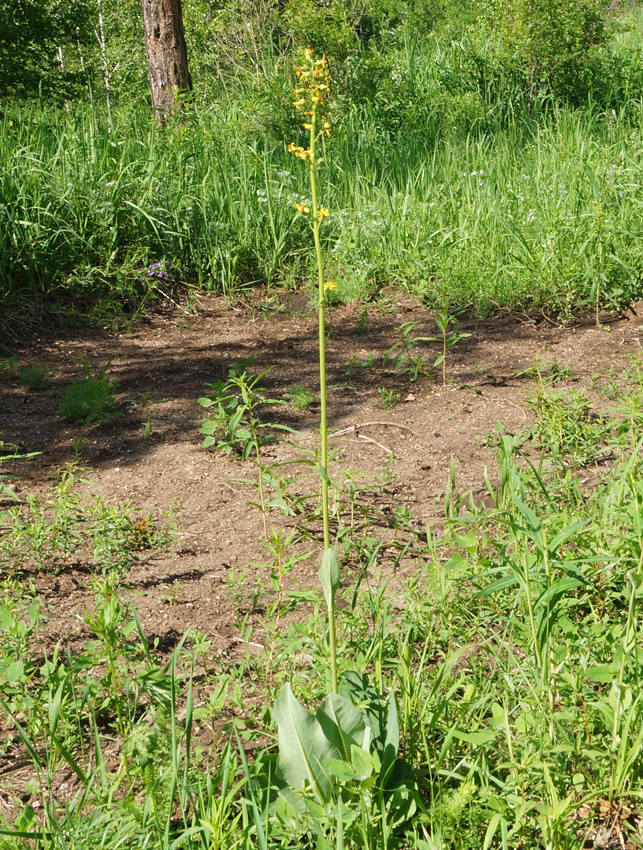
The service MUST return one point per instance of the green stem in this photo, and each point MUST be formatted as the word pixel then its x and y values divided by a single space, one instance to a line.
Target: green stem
pixel 323 432
pixel 323 427
pixel 255 439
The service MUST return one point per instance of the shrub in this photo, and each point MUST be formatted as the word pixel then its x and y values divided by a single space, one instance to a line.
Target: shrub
pixel 550 45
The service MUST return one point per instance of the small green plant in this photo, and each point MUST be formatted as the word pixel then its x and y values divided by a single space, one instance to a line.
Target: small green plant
pixel 46 534
pixel 172 593
pixel 362 322
pixel 402 355
pixel 235 423
pixel 145 403
pixel 389 398
pixel 567 427
pixel 450 335
pixel 11 366
pixel 283 560
pixel 552 373
pixel 31 377
pixel 357 365
pixel 35 378
pixel 299 397
pixel 20 614
pixel 91 399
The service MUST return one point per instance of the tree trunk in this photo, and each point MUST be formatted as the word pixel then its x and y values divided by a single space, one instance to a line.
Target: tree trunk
pixel 167 58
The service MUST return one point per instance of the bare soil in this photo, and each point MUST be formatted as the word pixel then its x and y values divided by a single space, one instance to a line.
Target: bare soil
pixel 407 450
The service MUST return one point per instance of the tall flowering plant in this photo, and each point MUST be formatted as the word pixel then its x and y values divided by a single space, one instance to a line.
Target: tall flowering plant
pixel 310 95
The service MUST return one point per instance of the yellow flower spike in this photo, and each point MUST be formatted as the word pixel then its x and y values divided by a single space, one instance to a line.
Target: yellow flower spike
pixel 323 212
pixel 329 286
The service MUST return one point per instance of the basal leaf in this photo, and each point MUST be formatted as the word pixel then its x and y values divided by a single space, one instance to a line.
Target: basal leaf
pixel 303 746
pixel 342 723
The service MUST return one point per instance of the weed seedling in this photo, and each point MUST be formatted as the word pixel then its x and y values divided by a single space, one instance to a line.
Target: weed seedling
pixel 402 355
pixel 450 335
pixel 299 397
pixel 145 403
pixel 356 364
pixel 89 400
pixel 235 425
pixel 31 377
pixel 35 378
pixel 389 398
pixel 552 372
pixel 362 322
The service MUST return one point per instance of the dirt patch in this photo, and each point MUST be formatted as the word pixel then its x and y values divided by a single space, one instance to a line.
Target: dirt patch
pixel 162 368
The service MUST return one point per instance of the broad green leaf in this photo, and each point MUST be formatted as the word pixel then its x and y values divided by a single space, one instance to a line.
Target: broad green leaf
pixel 210 427
pixel 392 736
pixel 54 708
pixel 555 591
pixel 342 723
pixel 535 525
pixel 15 672
pixel 456 562
pixel 6 620
pixel 363 695
pixel 329 576
pixel 364 764
pixel 341 770
pixel 601 673
pixel 303 746
pixel 498 585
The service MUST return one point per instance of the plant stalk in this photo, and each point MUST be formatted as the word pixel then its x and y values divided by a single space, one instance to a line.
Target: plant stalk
pixel 323 426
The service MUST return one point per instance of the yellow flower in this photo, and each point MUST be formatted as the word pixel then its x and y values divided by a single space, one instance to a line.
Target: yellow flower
pixel 302 208
pixel 330 285
pixel 323 212
pixel 326 127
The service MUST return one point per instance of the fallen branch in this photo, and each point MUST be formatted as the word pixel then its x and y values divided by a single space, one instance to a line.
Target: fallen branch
pixel 356 428
pixel 375 443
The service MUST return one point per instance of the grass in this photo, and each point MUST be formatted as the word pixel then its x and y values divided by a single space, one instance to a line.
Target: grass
pixel 511 651
pixel 458 207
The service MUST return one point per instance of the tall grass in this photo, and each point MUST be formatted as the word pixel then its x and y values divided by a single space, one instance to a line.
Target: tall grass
pixel 440 186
